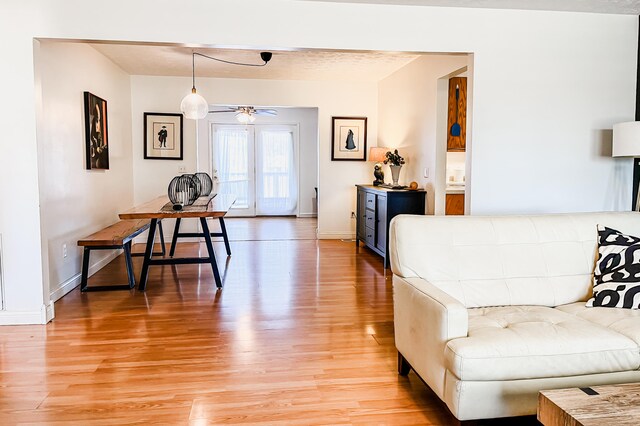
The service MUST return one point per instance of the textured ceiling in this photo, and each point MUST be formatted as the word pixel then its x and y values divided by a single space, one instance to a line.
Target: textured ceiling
pixel 285 65
pixel 628 7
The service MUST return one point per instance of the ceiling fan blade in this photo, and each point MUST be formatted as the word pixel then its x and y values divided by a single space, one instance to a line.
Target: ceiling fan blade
pixel 271 112
pixel 224 110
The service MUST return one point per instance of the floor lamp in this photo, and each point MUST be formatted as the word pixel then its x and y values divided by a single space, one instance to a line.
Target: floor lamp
pixel 626 143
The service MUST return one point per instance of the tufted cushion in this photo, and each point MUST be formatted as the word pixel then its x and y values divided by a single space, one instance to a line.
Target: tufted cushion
pixel 504 260
pixel 623 321
pixel 523 342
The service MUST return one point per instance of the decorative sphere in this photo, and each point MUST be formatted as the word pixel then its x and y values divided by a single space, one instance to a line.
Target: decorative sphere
pixel 413 185
pixel 183 190
pixel 205 183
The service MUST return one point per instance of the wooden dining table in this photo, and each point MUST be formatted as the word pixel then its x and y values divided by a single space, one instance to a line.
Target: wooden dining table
pixel 160 208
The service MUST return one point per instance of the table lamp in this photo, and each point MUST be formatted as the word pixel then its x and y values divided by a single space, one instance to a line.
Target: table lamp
pixel 626 143
pixel 378 155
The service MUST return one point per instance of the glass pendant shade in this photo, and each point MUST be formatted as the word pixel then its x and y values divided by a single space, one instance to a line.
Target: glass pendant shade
pixel 243 117
pixel 194 106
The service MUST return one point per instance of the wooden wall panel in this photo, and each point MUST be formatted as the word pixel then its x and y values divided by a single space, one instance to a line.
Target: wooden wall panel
pixel 457 143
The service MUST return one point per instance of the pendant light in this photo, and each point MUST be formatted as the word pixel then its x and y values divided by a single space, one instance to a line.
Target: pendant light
pixel 194 106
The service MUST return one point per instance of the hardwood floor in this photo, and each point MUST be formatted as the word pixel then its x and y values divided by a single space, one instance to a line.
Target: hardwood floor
pixel 301 333
pixel 270 228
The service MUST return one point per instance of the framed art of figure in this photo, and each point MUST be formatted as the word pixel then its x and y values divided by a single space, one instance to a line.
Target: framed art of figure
pixel 162 136
pixel 96 132
pixel 349 139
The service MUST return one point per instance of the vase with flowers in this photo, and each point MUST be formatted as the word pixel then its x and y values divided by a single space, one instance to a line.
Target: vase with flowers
pixel 395 162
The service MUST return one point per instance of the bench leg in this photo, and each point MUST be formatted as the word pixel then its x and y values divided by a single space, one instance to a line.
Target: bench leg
pixel 224 235
pixel 85 268
pixel 148 253
pixel 174 238
pixel 212 255
pixel 129 263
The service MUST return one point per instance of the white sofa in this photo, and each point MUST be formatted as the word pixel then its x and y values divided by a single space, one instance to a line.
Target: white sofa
pixel 489 310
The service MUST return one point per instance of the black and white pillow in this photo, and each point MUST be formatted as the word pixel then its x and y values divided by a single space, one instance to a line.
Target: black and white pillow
pixel 616 278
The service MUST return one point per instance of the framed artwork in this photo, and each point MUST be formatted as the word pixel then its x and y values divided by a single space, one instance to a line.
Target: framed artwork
pixel 349 139
pixel 162 136
pixel 96 132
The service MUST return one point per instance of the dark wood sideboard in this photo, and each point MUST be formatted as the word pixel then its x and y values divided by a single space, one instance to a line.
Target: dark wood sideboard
pixel 376 207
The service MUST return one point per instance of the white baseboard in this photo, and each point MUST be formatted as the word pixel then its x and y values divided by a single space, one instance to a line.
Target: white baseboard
pixel 336 236
pixel 74 281
pixel 49 312
pixel 307 215
pixel 23 317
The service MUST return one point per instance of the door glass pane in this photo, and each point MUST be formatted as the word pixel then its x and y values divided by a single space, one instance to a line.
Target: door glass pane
pixel 277 192
pixel 231 164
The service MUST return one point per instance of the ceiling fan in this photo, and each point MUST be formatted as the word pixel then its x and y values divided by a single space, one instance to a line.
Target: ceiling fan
pixel 246 114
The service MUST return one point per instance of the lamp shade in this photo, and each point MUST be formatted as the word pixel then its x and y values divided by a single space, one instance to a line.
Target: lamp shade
pixel 626 139
pixel 378 154
pixel 194 106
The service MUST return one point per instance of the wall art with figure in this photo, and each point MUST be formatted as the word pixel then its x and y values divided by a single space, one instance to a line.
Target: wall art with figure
pixel 96 132
pixel 162 136
pixel 349 139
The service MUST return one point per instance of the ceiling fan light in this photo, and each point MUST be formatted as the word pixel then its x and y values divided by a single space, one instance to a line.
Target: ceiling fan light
pixel 243 117
pixel 194 106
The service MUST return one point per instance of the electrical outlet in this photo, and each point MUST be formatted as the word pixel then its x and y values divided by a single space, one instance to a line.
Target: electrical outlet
pixel 426 172
pixel 64 251
pixel 182 169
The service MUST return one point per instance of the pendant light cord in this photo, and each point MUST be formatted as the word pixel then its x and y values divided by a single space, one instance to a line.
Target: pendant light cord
pixel 193 71
pixel 228 62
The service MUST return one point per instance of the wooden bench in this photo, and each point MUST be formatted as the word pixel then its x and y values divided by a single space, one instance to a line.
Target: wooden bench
pixel 117 236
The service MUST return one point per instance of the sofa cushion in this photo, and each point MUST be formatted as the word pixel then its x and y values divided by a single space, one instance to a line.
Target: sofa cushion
pixel 616 278
pixel 623 321
pixel 525 342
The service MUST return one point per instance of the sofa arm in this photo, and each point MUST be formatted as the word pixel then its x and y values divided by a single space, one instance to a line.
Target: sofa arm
pixel 425 319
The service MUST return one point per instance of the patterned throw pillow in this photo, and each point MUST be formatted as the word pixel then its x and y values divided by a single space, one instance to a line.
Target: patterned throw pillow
pixel 616 278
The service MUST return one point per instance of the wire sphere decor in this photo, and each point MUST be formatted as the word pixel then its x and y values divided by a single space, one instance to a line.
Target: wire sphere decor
pixel 183 191
pixel 206 183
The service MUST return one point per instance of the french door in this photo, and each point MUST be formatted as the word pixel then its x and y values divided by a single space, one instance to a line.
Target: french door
pixel 259 166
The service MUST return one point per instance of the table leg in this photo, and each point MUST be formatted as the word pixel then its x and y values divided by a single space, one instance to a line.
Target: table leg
pixel 174 238
pixel 162 252
pixel 148 253
pixel 212 255
pixel 224 236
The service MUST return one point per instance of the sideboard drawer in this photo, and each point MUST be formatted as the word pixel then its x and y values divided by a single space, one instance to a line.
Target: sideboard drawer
pixel 371 201
pixel 370 219
pixel 370 236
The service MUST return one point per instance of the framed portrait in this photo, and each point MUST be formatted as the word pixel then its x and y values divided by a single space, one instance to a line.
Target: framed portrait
pixel 162 136
pixel 349 139
pixel 96 132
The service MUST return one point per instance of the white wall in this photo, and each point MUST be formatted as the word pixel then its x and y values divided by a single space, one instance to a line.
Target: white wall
pixel 408 118
pixel 75 202
pixel 331 98
pixel 547 88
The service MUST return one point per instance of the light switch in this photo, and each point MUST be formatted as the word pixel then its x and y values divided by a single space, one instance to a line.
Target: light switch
pixel 426 172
